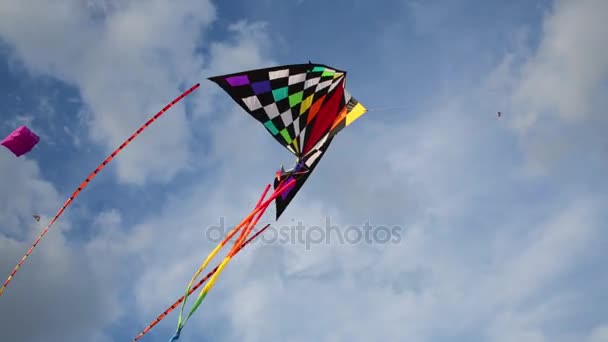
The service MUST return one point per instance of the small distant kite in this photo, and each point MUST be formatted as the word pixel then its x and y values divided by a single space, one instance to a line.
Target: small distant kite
pixel 36 217
pixel 499 114
pixel 21 141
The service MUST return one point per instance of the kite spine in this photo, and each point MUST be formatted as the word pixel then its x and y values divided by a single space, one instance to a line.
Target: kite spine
pixel 90 177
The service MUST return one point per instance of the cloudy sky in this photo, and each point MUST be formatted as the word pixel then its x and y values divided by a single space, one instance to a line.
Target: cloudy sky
pixel 501 221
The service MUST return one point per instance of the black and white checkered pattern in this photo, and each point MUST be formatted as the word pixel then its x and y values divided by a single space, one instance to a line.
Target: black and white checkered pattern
pixel 297 78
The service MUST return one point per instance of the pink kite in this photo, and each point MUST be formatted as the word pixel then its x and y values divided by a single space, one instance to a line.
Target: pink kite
pixel 21 141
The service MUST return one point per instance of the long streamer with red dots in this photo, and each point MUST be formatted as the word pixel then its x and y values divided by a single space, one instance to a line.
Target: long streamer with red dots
pixel 90 178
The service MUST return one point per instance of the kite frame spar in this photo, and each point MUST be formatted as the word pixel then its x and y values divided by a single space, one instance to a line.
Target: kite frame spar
pixel 91 176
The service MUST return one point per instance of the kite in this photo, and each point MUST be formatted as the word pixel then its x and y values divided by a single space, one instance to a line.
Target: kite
pixel 36 217
pixel 303 106
pixel 90 177
pixel 21 141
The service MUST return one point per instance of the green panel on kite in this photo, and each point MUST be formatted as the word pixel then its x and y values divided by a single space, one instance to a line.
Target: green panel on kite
pixel 295 98
pixel 318 69
pixel 279 94
pixel 285 135
pixel 271 127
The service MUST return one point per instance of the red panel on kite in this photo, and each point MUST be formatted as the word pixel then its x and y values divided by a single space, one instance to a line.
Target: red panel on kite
pixel 326 116
pixel 21 141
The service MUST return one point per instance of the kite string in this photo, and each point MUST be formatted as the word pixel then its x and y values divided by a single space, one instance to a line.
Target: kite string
pixel 90 177
pixel 199 284
pixel 381 109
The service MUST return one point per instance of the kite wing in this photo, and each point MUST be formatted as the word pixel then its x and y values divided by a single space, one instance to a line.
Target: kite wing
pixel 296 103
pixel 20 141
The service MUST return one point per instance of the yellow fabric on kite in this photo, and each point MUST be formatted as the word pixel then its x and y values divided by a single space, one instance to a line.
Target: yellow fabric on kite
pixel 355 113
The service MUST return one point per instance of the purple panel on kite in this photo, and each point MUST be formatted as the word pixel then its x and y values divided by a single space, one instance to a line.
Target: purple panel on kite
pixel 21 141
pixel 286 192
pixel 261 87
pixel 238 80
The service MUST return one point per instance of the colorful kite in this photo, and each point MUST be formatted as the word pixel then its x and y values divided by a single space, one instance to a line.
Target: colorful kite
pixel 303 106
pixel 21 141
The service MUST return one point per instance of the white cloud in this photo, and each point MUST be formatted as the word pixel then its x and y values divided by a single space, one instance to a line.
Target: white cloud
pixel 127 64
pixel 474 261
pixel 127 60
pixel 599 334
pixel 57 294
pixel 474 254
pixel 416 289
pixel 555 98
pixel 247 49
pixel 24 194
pixel 567 74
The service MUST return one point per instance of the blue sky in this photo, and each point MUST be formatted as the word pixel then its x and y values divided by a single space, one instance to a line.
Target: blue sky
pixel 503 218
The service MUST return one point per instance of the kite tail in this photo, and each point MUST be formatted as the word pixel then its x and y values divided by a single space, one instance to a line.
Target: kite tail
pixel 223 264
pixel 212 255
pixel 226 239
pixel 90 177
pixel 251 220
pixel 218 270
pixel 199 284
